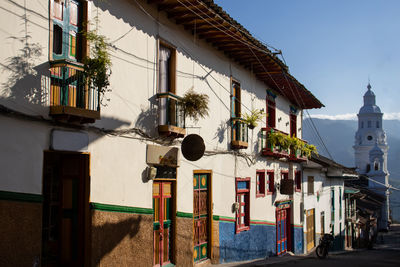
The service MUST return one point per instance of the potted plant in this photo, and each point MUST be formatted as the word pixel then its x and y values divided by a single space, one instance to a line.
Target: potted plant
pixel 296 145
pixel 308 150
pixel 253 118
pixel 278 139
pixel 97 66
pixel 195 105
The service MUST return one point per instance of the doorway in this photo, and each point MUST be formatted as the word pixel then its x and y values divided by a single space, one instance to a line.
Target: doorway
pixel 283 229
pixel 310 229
pixel 66 215
pixel 162 222
pixel 201 216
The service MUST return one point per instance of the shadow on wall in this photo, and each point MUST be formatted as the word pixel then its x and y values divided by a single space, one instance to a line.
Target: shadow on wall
pixel 221 131
pixel 25 79
pixel 147 119
pixel 109 235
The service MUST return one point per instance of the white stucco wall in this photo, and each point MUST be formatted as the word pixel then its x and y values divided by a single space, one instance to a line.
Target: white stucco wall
pixel 323 186
pixel 117 163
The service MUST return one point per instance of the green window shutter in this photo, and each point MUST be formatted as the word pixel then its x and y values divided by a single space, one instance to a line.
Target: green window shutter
pixel 65 43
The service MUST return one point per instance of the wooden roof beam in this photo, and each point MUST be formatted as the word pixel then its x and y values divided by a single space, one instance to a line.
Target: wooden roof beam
pixel 155 1
pixel 199 23
pixel 192 18
pixel 168 6
pixel 181 11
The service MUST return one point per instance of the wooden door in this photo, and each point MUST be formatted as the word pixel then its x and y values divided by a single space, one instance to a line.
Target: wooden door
pixel 65 209
pixel 310 229
pixel 162 206
pixel 200 216
pixel 281 231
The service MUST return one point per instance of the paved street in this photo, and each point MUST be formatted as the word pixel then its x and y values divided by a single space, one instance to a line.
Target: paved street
pixel 385 253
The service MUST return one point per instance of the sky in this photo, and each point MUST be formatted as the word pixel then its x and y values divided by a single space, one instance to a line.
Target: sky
pixel 333 47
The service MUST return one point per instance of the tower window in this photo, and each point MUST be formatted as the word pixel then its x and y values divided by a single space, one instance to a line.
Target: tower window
pixel 362 124
pixel 377 124
pixel 368 168
pixel 369 124
pixel 369 137
pixel 376 166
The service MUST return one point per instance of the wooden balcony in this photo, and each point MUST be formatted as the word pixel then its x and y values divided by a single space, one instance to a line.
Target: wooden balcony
pixel 268 149
pixel 171 115
pixel 239 133
pixel 71 98
pixel 277 151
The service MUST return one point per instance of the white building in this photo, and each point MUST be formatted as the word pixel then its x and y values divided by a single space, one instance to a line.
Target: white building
pixel 371 150
pixel 79 194
pixel 323 196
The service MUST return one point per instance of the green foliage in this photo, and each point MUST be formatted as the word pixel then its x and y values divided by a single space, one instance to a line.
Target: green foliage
pixel 280 140
pixel 195 105
pixel 97 66
pixel 285 142
pixel 308 150
pixel 255 116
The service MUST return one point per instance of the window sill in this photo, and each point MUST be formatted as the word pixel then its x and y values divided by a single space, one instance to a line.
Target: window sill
pixel 239 144
pixel 242 229
pixel 171 130
pixel 73 114
pixel 260 195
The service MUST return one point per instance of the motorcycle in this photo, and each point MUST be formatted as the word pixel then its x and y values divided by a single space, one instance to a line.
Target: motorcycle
pixel 324 244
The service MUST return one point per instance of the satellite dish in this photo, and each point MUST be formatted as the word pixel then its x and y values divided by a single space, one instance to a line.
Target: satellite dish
pixel 193 147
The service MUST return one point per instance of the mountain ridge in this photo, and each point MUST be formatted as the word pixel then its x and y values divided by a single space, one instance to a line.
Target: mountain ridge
pixel 338 137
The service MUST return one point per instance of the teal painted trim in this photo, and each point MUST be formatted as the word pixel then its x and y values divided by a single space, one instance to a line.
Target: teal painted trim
pixel 227 219
pixel 271 94
pixel 297 226
pixel 169 265
pixel 215 217
pixel 283 203
pixel 261 222
pixel 122 209
pixel 184 214
pixel 293 109
pixel 25 197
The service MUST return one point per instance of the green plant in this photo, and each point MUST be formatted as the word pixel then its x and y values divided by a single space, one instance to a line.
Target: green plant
pixel 255 116
pixel 308 150
pixel 279 139
pixel 97 66
pixel 195 105
pixel 284 142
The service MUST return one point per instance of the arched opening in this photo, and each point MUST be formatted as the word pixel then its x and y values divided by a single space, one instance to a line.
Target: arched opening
pixel 368 168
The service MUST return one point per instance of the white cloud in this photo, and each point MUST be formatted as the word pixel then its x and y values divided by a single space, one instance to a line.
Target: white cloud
pixel 353 116
pixel 391 116
pixel 348 116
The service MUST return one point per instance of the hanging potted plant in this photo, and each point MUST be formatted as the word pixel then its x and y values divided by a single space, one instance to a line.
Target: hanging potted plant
pixel 195 105
pixel 253 118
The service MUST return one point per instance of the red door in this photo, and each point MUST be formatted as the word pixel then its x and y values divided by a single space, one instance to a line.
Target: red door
pixel 281 231
pixel 162 222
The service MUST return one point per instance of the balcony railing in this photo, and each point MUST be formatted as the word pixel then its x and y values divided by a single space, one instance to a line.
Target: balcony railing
pixel 70 95
pixel 239 133
pixel 268 149
pixel 171 115
pixel 278 151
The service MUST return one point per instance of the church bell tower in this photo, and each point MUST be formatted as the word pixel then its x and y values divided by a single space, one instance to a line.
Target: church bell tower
pixel 371 150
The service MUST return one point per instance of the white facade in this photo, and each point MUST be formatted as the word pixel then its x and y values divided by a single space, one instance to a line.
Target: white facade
pixel 116 144
pixel 371 150
pixel 326 199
